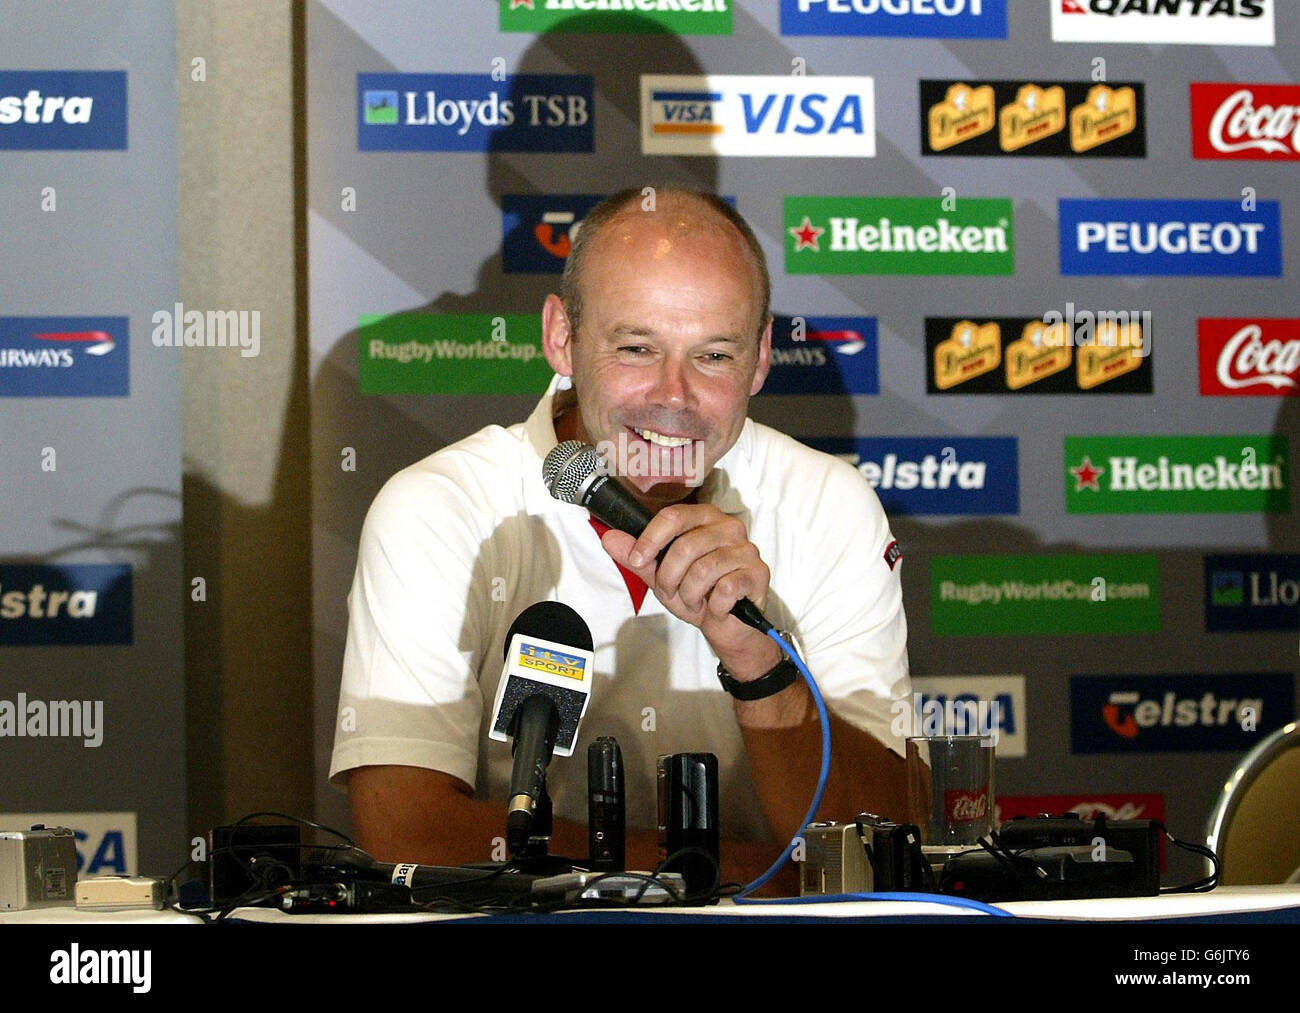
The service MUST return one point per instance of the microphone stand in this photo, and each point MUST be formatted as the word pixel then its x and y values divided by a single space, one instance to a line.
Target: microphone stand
pixel 535 859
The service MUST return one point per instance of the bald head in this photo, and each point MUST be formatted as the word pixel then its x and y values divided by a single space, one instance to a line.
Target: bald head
pixel 678 213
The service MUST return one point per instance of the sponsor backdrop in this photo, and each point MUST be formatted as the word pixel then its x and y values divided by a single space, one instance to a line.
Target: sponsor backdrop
pixel 90 556
pixel 966 204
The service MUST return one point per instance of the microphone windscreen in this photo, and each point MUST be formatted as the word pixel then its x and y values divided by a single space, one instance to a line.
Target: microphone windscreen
pixel 567 467
pixel 550 620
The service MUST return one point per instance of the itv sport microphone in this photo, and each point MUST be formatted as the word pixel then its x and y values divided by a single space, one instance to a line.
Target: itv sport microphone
pixel 543 693
pixel 574 473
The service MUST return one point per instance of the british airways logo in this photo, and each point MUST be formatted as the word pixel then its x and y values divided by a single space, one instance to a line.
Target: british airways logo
pixel 64 357
pixel 732 114
pixel 823 355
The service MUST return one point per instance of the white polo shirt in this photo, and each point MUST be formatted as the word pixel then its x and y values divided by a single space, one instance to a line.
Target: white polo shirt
pixel 455 546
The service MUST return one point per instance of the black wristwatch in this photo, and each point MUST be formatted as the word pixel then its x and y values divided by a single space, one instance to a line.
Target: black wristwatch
pixel 768 684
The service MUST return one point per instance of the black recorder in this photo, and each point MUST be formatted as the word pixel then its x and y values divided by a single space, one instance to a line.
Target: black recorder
pixel 1140 838
pixel 1058 858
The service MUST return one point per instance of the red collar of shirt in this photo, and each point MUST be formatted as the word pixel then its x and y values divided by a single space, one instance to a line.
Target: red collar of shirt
pixel 636 587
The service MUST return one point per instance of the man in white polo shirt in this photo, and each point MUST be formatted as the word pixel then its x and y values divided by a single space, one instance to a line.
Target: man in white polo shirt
pixel 660 336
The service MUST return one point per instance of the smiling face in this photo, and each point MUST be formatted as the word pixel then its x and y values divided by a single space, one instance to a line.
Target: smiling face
pixel 670 349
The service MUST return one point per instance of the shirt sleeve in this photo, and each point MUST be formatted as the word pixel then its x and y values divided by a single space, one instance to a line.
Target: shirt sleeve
pixel 410 693
pixel 852 622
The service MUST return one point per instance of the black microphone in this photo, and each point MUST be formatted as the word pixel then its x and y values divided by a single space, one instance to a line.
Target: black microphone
pixel 574 472
pixel 543 693
pixel 533 728
pixel 606 807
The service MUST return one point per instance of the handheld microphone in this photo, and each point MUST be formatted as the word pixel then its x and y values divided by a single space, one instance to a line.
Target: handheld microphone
pixel 574 473
pixel 543 693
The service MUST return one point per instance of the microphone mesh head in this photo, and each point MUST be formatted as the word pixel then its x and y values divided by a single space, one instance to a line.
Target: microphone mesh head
pixel 567 467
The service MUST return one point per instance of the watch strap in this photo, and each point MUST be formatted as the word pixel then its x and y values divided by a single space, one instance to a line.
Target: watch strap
pixel 770 683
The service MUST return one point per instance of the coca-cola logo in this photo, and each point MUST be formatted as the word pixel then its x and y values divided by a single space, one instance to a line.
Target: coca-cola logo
pixel 1250 356
pixel 1248 359
pixel 1246 121
pixel 965 806
pixel 1238 124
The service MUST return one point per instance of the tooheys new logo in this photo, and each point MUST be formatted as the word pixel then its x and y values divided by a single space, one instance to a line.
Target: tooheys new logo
pixel 680 17
pixel 1107 351
pixel 1177 713
pixel 1166 237
pixel 475 112
pixel 898 235
pixel 62 109
pixel 935 475
pixel 1245 357
pixel 1256 121
pixel 733 114
pixel 823 355
pixel 1190 22
pixel 1051 119
pixel 1176 474
pixel 1252 592
pixel 936 19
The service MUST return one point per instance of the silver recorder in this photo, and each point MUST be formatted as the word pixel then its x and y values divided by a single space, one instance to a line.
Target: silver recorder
pixel 38 868
pixel 834 861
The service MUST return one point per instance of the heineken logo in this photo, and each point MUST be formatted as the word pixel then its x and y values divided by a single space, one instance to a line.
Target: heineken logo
pixel 680 17
pixel 1176 474
pixel 898 235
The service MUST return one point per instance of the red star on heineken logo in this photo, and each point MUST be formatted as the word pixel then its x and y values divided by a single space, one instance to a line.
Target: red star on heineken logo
pixel 1086 475
pixel 522 3
pixel 806 235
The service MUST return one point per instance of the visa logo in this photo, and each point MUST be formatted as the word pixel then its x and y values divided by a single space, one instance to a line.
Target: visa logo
pixel 688 112
pixel 738 114
pixel 781 115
